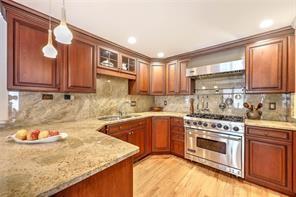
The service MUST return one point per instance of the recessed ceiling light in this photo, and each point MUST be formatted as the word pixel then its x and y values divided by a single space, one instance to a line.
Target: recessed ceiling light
pixel 160 54
pixel 266 23
pixel 131 40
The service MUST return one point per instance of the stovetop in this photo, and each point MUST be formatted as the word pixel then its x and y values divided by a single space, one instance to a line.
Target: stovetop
pixel 217 117
pixel 215 122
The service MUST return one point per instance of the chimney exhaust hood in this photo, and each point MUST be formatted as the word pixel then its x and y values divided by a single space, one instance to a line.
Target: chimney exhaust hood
pixel 215 70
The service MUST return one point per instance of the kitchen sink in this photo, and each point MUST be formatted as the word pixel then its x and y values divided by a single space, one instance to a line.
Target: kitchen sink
pixel 116 117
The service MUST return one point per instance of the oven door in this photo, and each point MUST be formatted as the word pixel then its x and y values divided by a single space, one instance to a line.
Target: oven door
pixel 220 148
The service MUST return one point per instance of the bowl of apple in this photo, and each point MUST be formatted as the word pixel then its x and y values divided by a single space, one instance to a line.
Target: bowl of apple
pixel 37 136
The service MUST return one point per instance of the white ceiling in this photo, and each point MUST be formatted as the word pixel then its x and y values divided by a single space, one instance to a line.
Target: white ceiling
pixel 171 26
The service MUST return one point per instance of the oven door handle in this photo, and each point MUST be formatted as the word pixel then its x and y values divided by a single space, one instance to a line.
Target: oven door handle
pixel 217 135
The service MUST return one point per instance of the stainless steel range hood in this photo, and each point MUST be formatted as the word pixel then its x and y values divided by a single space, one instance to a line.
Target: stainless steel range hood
pixel 220 69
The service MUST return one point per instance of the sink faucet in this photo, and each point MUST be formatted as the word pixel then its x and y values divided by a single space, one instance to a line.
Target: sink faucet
pixel 120 111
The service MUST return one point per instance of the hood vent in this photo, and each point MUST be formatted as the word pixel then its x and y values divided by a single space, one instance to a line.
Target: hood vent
pixel 236 67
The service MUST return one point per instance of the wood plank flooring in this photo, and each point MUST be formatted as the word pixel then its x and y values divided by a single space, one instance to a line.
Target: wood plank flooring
pixel 170 176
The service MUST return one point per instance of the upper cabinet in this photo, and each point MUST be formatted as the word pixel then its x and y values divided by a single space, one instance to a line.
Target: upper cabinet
pixel 172 80
pixel 80 65
pixel 142 83
pixel 186 84
pixel 28 69
pixel 72 71
pixel 268 68
pixel 157 79
pixel 116 64
pixel 176 80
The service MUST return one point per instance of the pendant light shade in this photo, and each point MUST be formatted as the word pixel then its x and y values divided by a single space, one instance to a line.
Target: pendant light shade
pixel 49 50
pixel 62 33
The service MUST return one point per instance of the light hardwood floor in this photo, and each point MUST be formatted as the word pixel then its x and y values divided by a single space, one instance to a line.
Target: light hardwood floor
pixel 169 176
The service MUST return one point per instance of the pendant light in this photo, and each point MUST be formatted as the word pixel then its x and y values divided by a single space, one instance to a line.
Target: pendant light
pixel 49 50
pixel 62 32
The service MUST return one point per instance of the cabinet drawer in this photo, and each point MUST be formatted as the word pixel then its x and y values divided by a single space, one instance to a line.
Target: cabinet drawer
pixel 177 122
pixel 177 136
pixel 177 129
pixel 125 126
pixel 269 133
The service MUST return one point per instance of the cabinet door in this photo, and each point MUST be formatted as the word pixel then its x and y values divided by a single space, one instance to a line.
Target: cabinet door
pixel 266 66
pixel 157 77
pixel 269 163
pixel 160 134
pixel 79 70
pixel 141 84
pixel 137 137
pixel 28 69
pixel 186 84
pixel 172 79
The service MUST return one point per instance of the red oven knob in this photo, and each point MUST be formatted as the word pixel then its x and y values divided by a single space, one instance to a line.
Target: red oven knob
pixel 213 125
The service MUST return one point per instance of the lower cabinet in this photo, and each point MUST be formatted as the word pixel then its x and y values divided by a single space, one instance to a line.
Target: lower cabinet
pixel 115 180
pixel 177 137
pixel 160 134
pixel 268 159
pixel 137 132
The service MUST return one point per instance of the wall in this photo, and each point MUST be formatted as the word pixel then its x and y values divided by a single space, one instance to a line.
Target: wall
pixel 28 107
pixel 3 71
pixel 206 91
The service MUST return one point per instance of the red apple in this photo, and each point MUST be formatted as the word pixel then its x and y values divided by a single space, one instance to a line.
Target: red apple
pixel 35 134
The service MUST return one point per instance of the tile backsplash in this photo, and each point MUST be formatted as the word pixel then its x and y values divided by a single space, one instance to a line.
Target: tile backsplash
pixel 29 108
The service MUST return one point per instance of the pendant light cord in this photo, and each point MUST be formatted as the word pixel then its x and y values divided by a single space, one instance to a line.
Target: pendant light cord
pixel 49 14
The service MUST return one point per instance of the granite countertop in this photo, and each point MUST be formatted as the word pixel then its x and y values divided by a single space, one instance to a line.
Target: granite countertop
pixel 44 169
pixel 271 124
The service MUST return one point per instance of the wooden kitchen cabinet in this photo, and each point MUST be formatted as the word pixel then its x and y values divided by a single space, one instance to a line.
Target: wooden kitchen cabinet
pixel 177 137
pixel 142 82
pixel 137 137
pixel 172 79
pixel 28 69
pixel 176 81
pixel 137 132
pixel 160 134
pixel 269 66
pixel 79 71
pixel 186 84
pixel 268 158
pixel 157 79
pixel 117 179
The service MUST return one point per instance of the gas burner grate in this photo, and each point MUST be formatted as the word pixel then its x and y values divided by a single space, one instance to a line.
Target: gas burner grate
pixel 217 117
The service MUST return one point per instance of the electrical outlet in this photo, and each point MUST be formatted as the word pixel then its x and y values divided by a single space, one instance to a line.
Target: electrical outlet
pixel 47 97
pixel 67 97
pixel 272 106
pixel 133 103
pixel 165 103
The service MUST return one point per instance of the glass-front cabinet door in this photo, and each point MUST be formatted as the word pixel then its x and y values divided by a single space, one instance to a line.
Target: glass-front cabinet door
pixel 108 59
pixel 128 64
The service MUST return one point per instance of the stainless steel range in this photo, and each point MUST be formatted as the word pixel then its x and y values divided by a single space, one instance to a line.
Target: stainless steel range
pixel 216 141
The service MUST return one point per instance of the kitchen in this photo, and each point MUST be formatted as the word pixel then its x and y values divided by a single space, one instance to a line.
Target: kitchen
pixel 107 107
